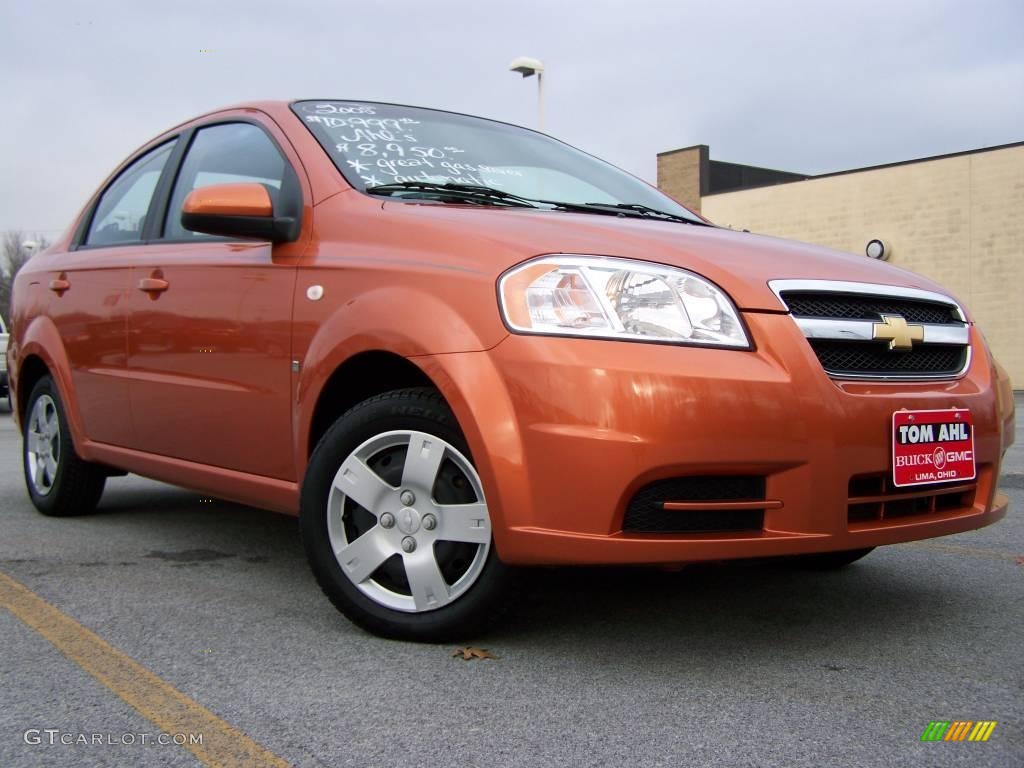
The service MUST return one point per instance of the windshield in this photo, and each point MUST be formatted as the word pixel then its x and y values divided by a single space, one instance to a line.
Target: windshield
pixel 376 144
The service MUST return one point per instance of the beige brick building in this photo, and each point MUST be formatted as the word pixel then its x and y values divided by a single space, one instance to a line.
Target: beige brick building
pixel 958 219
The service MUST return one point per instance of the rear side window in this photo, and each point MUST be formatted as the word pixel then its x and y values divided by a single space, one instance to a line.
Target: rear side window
pixel 121 213
pixel 225 154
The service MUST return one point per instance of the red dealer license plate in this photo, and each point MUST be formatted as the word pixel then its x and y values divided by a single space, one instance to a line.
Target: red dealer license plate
pixel 932 447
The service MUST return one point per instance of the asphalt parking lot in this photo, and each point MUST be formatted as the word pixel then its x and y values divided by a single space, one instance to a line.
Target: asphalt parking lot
pixel 717 665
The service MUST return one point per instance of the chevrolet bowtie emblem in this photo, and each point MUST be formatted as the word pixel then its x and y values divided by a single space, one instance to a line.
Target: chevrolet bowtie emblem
pixel 895 330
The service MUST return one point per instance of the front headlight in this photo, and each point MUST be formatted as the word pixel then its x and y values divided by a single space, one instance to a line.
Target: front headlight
pixel 603 297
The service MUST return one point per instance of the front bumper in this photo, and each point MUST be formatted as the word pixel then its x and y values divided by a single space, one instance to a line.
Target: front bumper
pixel 566 431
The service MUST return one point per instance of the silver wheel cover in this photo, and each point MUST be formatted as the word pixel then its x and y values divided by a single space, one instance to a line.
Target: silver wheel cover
pixel 42 445
pixel 466 523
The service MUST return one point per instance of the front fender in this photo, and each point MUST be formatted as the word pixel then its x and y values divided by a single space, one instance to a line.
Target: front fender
pixel 404 320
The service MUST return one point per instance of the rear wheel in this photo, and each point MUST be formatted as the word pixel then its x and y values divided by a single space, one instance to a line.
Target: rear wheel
pixel 828 561
pixel 395 523
pixel 59 483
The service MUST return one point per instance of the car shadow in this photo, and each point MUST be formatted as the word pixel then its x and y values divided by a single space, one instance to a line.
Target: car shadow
pixel 702 609
pixel 744 618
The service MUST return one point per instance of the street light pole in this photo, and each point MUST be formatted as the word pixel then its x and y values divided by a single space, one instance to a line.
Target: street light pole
pixel 540 100
pixel 527 67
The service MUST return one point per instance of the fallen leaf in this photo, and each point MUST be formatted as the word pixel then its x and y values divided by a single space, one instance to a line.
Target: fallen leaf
pixel 1020 560
pixel 469 653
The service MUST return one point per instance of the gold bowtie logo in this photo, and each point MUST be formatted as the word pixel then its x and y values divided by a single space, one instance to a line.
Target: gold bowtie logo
pixel 895 330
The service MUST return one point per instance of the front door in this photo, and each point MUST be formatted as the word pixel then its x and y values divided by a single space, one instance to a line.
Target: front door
pixel 209 342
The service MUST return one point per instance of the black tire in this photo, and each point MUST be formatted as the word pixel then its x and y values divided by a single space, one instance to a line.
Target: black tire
pixel 830 561
pixel 421 410
pixel 76 485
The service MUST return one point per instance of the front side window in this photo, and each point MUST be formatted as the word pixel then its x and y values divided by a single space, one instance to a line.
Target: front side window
pixel 384 144
pixel 224 154
pixel 121 212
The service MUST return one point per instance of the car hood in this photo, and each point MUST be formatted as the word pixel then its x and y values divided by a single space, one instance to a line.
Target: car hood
pixel 739 262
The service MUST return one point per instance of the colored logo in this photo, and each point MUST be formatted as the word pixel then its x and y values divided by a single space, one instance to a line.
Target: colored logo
pixel 958 730
pixel 896 330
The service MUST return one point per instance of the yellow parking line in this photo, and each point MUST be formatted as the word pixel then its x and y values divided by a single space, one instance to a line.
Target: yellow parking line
pixel 170 710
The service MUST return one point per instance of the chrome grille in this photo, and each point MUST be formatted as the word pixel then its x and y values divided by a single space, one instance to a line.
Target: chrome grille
pixel 849 326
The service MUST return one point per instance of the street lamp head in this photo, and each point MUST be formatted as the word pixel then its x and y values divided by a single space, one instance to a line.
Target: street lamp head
pixel 526 66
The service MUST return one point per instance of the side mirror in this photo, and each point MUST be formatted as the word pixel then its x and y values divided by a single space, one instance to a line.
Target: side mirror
pixel 237 210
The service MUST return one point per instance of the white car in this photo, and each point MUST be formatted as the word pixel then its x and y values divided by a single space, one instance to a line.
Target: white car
pixel 4 391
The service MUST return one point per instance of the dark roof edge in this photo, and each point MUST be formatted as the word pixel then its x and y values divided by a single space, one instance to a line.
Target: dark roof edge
pixel 928 159
pixel 763 168
pixel 681 149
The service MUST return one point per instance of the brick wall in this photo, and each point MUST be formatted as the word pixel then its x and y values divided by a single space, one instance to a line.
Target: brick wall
pixel 680 174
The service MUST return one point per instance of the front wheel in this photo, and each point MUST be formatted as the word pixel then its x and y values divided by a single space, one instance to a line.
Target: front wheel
pixel 395 523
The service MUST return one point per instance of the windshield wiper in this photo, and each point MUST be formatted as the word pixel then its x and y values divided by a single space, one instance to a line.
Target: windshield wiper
pixel 463 192
pixel 489 195
pixel 644 210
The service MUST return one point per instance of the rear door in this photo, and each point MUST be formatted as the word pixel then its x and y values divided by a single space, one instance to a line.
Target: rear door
pixel 209 353
pixel 88 295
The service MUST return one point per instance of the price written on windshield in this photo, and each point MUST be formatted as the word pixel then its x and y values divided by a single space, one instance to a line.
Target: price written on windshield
pixel 386 150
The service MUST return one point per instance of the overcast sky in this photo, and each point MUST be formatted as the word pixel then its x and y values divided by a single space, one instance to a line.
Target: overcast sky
pixel 809 86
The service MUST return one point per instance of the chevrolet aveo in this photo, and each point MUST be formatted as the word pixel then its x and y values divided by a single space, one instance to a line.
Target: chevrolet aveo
pixel 452 345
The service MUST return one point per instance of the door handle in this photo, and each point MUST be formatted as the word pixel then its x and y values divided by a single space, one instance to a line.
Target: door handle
pixel 59 285
pixel 153 285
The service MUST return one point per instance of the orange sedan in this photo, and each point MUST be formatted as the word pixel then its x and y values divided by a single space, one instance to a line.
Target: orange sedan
pixel 452 345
